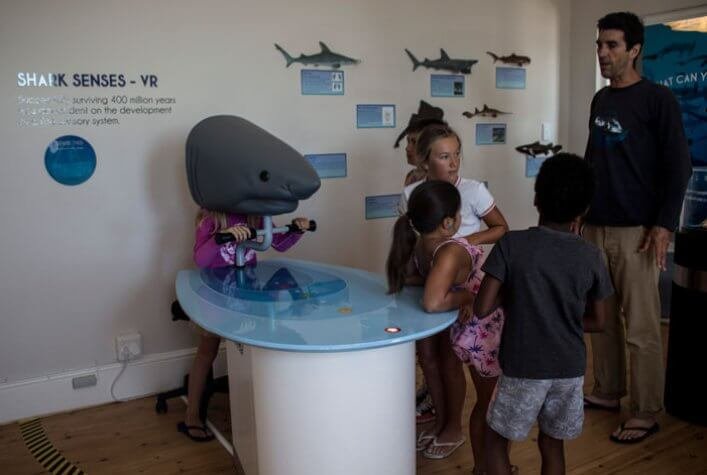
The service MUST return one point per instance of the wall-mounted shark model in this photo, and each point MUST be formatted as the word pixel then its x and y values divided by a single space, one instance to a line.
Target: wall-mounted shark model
pixel 444 62
pixel 485 112
pixel 510 59
pixel 325 57
pixel 537 148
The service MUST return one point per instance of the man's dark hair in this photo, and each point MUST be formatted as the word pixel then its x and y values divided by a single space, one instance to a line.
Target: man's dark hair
pixel 629 23
pixel 564 188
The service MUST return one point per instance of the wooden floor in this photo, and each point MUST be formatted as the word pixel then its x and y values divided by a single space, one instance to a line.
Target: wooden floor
pixel 126 438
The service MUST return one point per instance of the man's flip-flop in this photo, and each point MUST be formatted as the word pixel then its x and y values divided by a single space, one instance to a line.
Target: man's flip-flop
pixel 647 432
pixel 593 405
pixel 423 440
pixel 449 448
pixel 185 429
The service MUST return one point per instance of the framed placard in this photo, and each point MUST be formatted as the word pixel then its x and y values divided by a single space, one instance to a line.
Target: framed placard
pixel 533 164
pixel 490 134
pixel 510 78
pixel 328 165
pixel 316 82
pixel 447 85
pixel 382 206
pixel 375 116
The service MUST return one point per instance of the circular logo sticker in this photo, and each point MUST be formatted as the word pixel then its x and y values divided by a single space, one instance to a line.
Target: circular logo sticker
pixel 70 160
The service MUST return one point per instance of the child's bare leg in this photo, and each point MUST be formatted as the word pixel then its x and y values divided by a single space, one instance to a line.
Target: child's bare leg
pixel 205 356
pixel 454 392
pixel 477 419
pixel 497 461
pixel 553 455
pixel 428 351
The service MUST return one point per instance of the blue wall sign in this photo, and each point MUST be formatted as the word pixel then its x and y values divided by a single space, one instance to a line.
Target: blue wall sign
pixel 447 85
pixel 510 78
pixel 375 116
pixel 322 83
pixel 328 165
pixel 382 206
pixel 490 134
pixel 70 160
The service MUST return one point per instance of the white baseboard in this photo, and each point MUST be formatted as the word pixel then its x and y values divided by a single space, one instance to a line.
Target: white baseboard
pixel 146 375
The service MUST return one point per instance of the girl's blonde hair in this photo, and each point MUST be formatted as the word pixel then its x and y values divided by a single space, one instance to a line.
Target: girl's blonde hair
pixel 220 219
pixel 429 136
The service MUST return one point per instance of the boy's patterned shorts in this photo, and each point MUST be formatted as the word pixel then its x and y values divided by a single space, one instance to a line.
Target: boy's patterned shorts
pixel 557 405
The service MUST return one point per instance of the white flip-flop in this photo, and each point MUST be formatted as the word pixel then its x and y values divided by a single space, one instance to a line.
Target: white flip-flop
pixel 452 447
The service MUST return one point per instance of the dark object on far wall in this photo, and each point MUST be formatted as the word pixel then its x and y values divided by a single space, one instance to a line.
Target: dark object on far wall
pixel 455 65
pixel 537 148
pixel 485 112
pixel 688 326
pixel 425 111
pixel 512 58
pixel 325 57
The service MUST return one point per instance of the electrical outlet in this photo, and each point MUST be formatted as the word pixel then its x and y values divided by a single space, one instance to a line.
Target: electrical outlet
pixel 128 347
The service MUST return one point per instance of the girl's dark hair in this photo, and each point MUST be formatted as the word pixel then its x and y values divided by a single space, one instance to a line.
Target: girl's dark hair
pixel 430 135
pixel 430 202
pixel 564 188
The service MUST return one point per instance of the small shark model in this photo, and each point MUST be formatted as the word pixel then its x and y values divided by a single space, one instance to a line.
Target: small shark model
pixel 485 112
pixel 454 65
pixel 536 148
pixel 510 59
pixel 325 57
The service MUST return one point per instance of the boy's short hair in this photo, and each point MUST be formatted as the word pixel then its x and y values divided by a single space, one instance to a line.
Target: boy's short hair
pixel 628 22
pixel 564 188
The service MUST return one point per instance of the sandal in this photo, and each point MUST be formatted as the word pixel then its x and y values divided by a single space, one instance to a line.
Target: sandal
pixel 186 430
pixel 646 432
pixel 423 440
pixel 449 448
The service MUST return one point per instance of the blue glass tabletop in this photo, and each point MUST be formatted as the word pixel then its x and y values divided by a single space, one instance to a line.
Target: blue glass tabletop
pixel 296 305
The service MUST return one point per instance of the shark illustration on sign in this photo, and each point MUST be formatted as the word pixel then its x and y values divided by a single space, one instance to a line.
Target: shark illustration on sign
pixel 485 112
pixel 536 148
pixel 462 66
pixel 325 57
pixel 677 48
pixel 510 59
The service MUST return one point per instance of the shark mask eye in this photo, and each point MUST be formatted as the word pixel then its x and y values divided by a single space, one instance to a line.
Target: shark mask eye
pixel 264 175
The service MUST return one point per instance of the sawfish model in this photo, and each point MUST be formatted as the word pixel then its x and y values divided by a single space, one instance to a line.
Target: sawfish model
pixel 485 112
pixel 454 65
pixel 510 59
pixel 537 148
pixel 325 57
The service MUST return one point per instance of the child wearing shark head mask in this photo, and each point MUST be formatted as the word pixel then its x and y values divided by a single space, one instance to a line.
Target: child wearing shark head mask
pixel 209 254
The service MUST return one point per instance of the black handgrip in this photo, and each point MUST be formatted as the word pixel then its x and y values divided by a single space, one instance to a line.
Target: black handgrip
pixel 223 238
pixel 293 228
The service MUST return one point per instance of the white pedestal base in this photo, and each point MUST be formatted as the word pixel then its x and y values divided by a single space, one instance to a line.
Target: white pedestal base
pixel 347 413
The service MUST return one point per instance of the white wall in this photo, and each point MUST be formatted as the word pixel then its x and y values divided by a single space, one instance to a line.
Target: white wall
pixel 83 264
pixel 583 56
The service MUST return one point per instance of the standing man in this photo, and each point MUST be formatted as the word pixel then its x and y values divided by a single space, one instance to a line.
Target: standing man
pixel 640 155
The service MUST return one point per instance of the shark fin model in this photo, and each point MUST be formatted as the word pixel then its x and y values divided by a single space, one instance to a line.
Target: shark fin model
pixel 455 65
pixel 325 57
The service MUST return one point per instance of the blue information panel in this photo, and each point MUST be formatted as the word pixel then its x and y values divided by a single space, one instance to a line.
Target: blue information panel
pixel 533 164
pixel 382 206
pixel 70 160
pixel 375 116
pixel 695 208
pixel 328 165
pixel 447 85
pixel 510 78
pixel 490 134
pixel 322 83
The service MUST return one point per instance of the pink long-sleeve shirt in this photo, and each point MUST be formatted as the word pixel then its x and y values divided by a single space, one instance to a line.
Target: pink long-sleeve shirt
pixel 209 254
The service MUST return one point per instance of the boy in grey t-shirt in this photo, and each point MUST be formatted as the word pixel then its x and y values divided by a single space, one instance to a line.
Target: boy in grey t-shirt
pixel 553 285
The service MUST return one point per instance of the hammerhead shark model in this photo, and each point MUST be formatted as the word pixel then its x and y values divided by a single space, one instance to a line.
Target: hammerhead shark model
pixel 485 112
pixel 325 57
pixel 536 148
pixel 462 66
pixel 510 59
